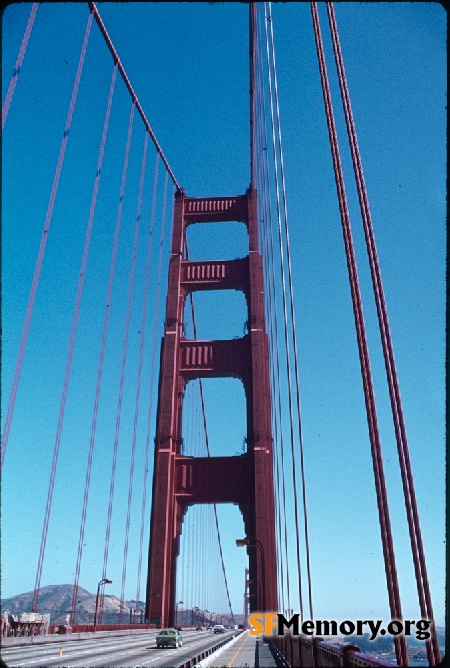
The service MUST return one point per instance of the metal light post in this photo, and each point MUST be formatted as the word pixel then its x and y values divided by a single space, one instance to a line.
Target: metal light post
pixel 253 542
pixel 176 611
pixel 102 582
pixel 192 615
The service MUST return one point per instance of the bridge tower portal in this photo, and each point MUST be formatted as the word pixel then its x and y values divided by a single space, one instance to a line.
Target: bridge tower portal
pixel 247 480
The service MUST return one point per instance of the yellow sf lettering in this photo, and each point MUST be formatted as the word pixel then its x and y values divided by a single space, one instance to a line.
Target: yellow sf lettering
pixel 256 625
pixel 262 623
pixel 271 623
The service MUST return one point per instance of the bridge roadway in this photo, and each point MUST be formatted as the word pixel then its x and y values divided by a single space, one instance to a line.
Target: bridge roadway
pixel 135 651
pixel 245 651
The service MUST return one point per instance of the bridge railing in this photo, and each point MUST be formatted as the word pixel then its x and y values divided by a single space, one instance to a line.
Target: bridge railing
pixel 88 628
pixel 296 651
pixel 195 660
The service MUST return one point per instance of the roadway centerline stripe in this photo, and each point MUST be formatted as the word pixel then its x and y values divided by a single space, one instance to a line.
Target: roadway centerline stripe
pixel 245 640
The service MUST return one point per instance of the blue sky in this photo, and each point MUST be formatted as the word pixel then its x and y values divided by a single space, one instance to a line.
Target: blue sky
pixel 188 63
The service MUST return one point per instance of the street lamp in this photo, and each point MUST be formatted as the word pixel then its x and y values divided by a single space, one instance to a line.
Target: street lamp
pixel 102 582
pixel 176 611
pixel 254 542
pixel 192 615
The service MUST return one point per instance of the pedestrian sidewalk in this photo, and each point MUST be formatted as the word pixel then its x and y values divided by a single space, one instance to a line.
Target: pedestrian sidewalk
pixel 245 652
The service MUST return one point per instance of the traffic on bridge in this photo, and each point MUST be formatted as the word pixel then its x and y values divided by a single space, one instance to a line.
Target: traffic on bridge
pixel 223 334
pixel 117 652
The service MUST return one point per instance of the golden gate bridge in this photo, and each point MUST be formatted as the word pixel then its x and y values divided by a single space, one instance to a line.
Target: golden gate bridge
pixel 165 413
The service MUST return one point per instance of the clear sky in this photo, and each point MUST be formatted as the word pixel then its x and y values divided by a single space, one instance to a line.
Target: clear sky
pixel 188 63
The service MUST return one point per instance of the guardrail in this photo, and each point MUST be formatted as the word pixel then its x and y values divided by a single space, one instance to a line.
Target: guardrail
pixel 294 651
pixel 64 629
pixel 190 663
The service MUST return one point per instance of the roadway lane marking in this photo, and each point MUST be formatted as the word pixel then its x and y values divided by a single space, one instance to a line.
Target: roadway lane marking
pixel 240 648
pixel 144 663
pixel 75 653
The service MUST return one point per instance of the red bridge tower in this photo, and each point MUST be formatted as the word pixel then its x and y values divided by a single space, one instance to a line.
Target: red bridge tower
pixel 247 480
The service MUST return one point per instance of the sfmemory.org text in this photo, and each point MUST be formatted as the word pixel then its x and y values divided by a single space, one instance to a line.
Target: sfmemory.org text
pixel 271 623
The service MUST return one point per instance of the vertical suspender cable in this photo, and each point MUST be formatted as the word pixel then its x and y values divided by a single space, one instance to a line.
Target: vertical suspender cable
pixel 252 54
pixel 100 367
pixel 19 61
pixel 40 258
pixel 133 444
pixel 274 359
pixel 380 485
pixel 394 391
pixel 152 379
pixel 72 341
pixel 105 560
pixel 209 455
pixel 147 440
pixel 286 332
pixel 292 313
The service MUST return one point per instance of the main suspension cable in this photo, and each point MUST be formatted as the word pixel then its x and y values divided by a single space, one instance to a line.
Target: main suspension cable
pixel 134 97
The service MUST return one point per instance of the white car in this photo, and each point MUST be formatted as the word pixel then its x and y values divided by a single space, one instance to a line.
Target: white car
pixel 219 628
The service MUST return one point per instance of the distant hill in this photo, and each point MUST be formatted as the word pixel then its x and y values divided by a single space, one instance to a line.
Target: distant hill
pixel 57 600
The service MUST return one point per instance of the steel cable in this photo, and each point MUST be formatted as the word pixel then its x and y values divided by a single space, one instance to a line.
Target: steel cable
pixel 74 320
pixel 43 243
pixel 149 413
pixel 127 83
pixel 286 328
pixel 383 508
pixel 152 372
pixel 100 366
pixel 397 411
pixel 265 201
pixel 122 374
pixel 72 341
pixel 202 399
pixel 19 62
pixel 292 314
